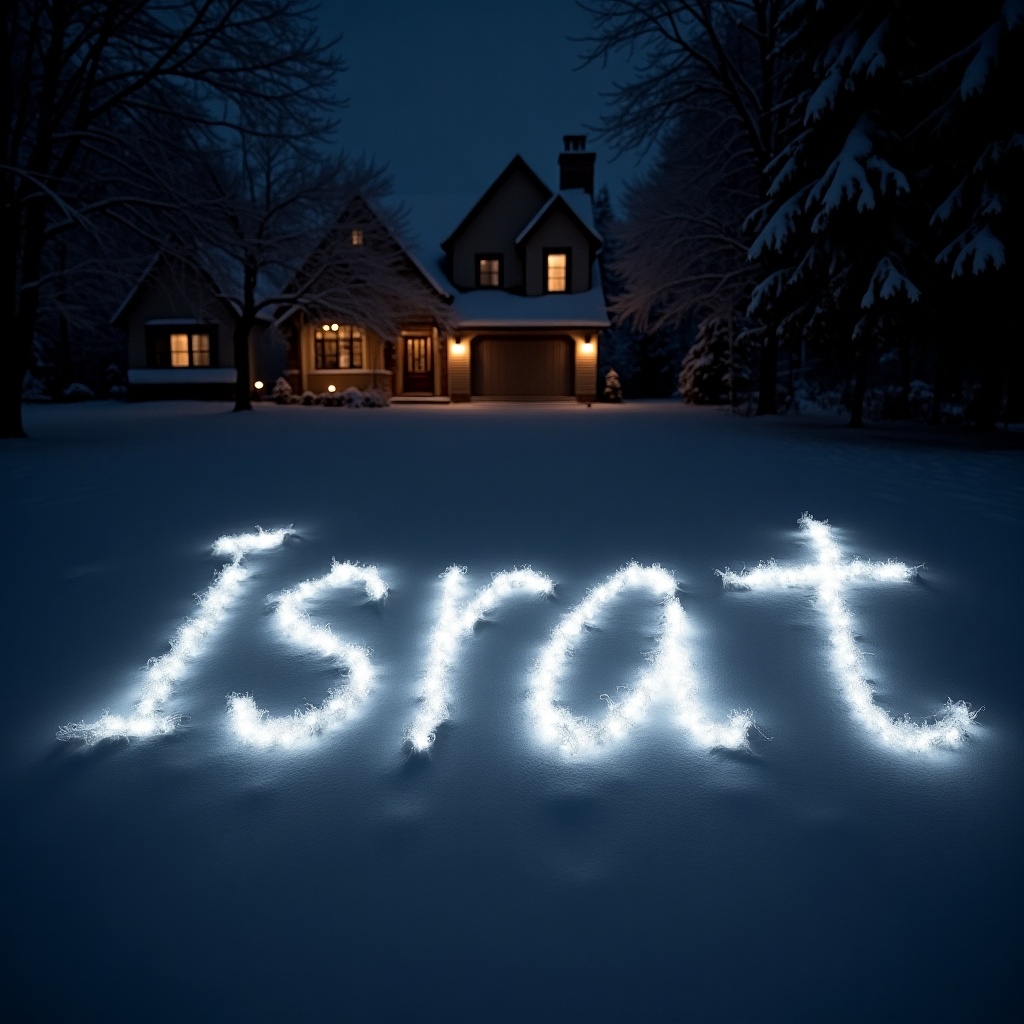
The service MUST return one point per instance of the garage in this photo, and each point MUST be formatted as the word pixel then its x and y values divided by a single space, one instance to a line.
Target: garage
pixel 522 367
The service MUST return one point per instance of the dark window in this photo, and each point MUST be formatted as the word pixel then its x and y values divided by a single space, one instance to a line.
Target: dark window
pixel 488 270
pixel 338 348
pixel 181 346
pixel 557 270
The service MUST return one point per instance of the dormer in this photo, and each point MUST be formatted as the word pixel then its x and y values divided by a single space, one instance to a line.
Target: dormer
pixel 557 247
pixel 482 250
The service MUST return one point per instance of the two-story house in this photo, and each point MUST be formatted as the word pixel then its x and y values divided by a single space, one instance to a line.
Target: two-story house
pixel 518 266
pixel 514 269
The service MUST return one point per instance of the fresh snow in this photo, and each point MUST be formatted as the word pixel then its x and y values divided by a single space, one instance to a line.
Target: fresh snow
pixel 256 864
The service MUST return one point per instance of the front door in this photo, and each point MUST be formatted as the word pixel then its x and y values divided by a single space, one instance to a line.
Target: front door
pixel 419 363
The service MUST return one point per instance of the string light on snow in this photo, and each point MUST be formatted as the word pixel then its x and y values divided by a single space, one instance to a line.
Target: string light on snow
pixel 829 576
pixel 669 677
pixel 454 624
pixel 188 643
pixel 255 725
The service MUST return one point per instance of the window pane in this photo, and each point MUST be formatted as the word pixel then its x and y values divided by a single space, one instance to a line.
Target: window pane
pixel 200 350
pixel 490 273
pixel 357 236
pixel 357 352
pixel 557 265
pixel 345 353
pixel 179 350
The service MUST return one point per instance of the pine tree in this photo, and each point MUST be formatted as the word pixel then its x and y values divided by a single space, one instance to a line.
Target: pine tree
pixel 836 239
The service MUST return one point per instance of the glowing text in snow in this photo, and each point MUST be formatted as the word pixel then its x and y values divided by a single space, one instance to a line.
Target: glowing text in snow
pixel 188 643
pixel 454 624
pixel 830 576
pixel 255 725
pixel 669 678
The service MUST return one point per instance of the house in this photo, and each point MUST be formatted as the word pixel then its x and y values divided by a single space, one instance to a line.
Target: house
pixel 499 297
pixel 517 268
pixel 180 335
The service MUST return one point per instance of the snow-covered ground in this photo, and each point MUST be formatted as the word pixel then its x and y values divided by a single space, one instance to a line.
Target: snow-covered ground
pixel 211 872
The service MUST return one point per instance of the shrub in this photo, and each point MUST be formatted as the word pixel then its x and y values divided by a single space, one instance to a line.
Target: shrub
pixel 612 387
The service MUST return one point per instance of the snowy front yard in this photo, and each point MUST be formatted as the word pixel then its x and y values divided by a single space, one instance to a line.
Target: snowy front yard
pixel 233 866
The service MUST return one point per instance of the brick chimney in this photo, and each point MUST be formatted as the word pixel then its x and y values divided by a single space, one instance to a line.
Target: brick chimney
pixel 576 165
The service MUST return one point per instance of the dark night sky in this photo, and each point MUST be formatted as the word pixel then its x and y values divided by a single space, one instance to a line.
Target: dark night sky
pixel 445 93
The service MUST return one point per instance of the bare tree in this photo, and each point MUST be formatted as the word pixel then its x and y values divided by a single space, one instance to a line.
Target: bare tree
pixel 72 70
pixel 718 60
pixel 282 228
pixel 681 244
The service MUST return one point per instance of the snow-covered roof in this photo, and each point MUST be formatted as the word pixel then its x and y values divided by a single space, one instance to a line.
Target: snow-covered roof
pixel 432 218
pixel 491 307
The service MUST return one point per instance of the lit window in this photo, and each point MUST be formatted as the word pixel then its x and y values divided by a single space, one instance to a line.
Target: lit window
pixel 339 349
pixel 179 350
pixel 200 350
pixel 557 271
pixel 488 271
pixel 357 236
pixel 190 350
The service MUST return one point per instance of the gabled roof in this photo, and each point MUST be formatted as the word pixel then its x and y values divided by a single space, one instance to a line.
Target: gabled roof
pixel 558 202
pixel 378 211
pixel 517 163
pixel 143 277
pixel 202 272
pixel 430 217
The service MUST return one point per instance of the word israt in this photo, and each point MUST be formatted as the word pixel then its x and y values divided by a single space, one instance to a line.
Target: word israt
pixel 668 679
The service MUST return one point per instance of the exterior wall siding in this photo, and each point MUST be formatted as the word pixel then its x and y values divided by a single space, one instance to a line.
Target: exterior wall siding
pixel 494 230
pixel 557 231
pixel 172 293
pixel 586 366
pixel 371 374
pixel 458 369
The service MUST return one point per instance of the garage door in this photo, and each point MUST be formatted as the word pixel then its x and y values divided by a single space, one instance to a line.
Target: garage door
pixel 522 367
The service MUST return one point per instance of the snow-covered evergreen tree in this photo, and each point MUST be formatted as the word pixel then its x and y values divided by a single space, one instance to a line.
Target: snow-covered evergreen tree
pixel 834 243
pixel 612 387
pixel 718 367
pixel 975 137
pixel 705 91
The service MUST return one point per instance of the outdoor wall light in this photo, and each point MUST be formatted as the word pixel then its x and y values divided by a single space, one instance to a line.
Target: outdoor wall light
pixel 327 327
pixel 331 388
pixel 334 327
pixel 258 385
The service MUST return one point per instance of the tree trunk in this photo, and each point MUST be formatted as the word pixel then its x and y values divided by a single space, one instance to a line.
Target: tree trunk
pixel 23 318
pixel 243 329
pixel 860 384
pixel 766 398
pixel 10 394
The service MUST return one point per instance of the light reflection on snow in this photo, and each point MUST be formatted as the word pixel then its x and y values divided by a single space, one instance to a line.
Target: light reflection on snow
pixel 670 676
pixel 163 673
pixel 829 576
pixel 455 622
pixel 255 725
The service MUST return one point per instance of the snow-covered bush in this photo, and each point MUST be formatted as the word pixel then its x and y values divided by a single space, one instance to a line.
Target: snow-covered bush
pixel 308 398
pixel 281 392
pixel 715 372
pixel 612 387
pixel 351 397
pixel 78 392
pixel 34 390
pixel 376 398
